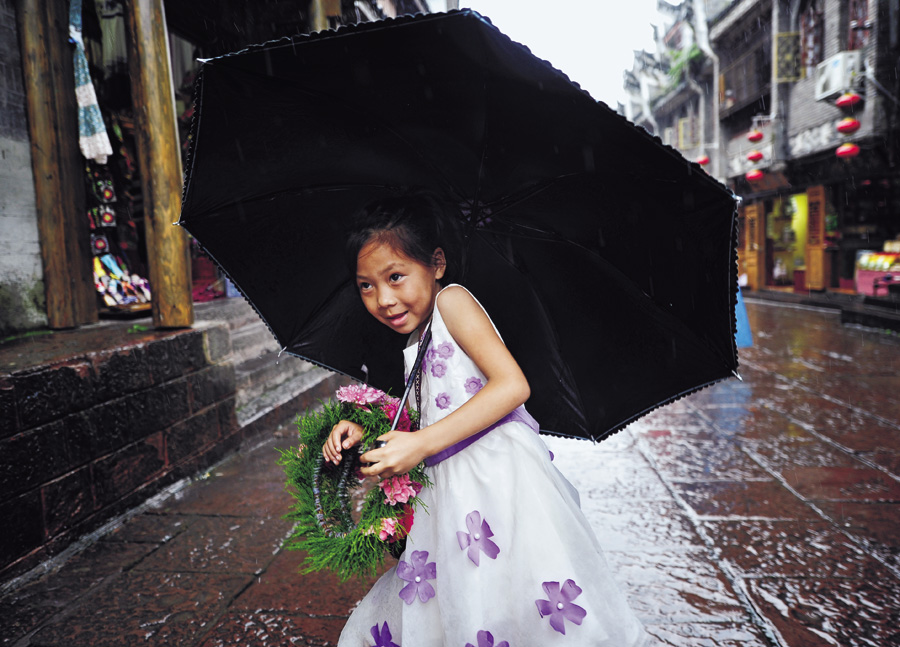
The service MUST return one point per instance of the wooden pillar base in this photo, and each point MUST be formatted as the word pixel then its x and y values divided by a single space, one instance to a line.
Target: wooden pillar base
pixel 160 163
pixel 49 74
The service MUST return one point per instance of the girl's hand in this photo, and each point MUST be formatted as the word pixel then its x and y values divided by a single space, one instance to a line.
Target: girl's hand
pixel 344 435
pixel 404 450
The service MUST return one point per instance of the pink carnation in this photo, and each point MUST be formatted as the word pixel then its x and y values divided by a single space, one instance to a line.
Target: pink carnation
pixel 399 489
pixel 389 406
pixel 359 394
pixel 388 527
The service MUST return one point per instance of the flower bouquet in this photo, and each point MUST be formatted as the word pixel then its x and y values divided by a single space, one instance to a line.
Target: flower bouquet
pixel 333 536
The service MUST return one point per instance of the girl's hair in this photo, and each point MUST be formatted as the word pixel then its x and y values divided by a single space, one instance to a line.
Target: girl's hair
pixel 414 223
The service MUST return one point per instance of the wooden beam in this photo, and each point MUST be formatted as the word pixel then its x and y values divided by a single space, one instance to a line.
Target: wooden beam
pixel 160 163
pixel 57 163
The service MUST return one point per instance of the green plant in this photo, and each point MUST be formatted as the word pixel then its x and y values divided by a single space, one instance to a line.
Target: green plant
pixel 681 60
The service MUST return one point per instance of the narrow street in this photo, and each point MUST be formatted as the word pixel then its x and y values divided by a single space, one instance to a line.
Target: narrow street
pixel 756 513
pixel 764 511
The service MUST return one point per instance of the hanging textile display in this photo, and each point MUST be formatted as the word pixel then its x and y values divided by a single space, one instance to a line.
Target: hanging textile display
pixel 109 174
pixel 117 286
pixel 92 137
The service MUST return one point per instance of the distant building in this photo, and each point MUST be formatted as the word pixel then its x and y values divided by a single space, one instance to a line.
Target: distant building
pixel 753 85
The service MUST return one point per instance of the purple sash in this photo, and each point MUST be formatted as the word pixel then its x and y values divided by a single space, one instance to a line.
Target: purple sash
pixel 516 415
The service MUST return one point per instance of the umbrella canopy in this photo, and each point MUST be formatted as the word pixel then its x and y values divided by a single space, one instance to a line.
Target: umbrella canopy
pixel 606 259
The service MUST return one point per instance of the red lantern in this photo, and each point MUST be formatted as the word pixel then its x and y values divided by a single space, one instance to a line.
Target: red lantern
pixel 848 125
pixel 754 156
pixel 848 100
pixel 754 135
pixel 755 175
pixel 703 160
pixel 848 150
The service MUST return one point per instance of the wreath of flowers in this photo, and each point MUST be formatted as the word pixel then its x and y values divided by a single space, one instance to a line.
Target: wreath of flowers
pixel 324 526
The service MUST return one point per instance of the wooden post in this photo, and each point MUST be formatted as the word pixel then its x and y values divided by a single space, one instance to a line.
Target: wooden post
pixel 153 98
pixel 755 250
pixel 57 162
pixel 320 11
pixel 815 239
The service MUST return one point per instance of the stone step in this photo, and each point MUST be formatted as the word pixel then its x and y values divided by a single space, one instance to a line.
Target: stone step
pixel 253 403
pixel 269 389
pixel 236 311
pixel 255 376
pixel 252 340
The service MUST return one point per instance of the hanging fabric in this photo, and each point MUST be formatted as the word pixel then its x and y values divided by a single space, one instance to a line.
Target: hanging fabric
pixel 92 137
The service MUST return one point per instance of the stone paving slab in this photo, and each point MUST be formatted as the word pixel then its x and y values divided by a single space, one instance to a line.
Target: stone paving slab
pixel 647 526
pixel 775 548
pixel 848 613
pixel 144 608
pixel 708 634
pixel 835 483
pixel 677 586
pixel 704 460
pixel 220 544
pixel 759 499
pixel 284 588
pixel 274 630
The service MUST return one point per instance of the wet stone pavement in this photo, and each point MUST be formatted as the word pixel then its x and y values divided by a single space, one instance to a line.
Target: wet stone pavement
pixel 755 513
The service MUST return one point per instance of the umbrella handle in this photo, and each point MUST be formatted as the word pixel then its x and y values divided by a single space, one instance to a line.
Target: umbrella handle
pixel 417 365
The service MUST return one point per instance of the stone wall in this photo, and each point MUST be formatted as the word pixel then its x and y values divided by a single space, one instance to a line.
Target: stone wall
pixel 811 123
pixel 22 302
pixel 85 438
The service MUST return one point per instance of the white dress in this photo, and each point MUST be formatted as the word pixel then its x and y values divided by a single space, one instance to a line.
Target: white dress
pixel 502 556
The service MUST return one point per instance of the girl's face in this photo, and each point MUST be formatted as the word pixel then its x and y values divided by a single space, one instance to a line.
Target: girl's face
pixel 397 290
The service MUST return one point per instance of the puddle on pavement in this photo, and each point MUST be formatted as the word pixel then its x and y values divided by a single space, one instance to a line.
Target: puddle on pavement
pixel 842 613
pixel 675 586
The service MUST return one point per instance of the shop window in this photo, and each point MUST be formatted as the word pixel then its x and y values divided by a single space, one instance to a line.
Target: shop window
pixel 786 233
pixel 812 35
pixel 858 24
pixel 746 78
pixel 687 133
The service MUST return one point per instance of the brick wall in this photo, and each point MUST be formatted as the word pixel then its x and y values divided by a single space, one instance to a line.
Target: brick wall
pixel 22 304
pixel 812 123
pixel 87 438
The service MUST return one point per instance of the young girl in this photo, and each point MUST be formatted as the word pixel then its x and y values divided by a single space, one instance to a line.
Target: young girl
pixel 501 554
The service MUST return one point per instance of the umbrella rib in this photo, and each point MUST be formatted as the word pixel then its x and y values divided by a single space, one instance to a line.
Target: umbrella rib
pixel 478 215
pixel 505 205
pixel 533 191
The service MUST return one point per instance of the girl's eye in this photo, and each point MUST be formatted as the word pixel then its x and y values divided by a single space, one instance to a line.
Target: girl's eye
pixel 363 286
pixel 396 277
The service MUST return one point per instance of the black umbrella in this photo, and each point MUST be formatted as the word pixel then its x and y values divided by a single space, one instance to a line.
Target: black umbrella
pixel 606 259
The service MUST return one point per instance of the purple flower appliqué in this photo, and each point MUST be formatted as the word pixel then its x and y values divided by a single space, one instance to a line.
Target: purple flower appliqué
pixel 442 400
pixel 445 349
pixel 474 385
pixel 477 540
pixel 417 573
pixel 384 638
pixel 438 368
pixel 560 606
pixel 485 639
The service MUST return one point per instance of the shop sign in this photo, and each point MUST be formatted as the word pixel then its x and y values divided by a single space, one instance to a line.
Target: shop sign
pixel 813 140
pixel 788 66
pixel 816 216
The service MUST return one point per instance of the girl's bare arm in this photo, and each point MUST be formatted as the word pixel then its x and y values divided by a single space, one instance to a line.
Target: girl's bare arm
pixel 505 390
